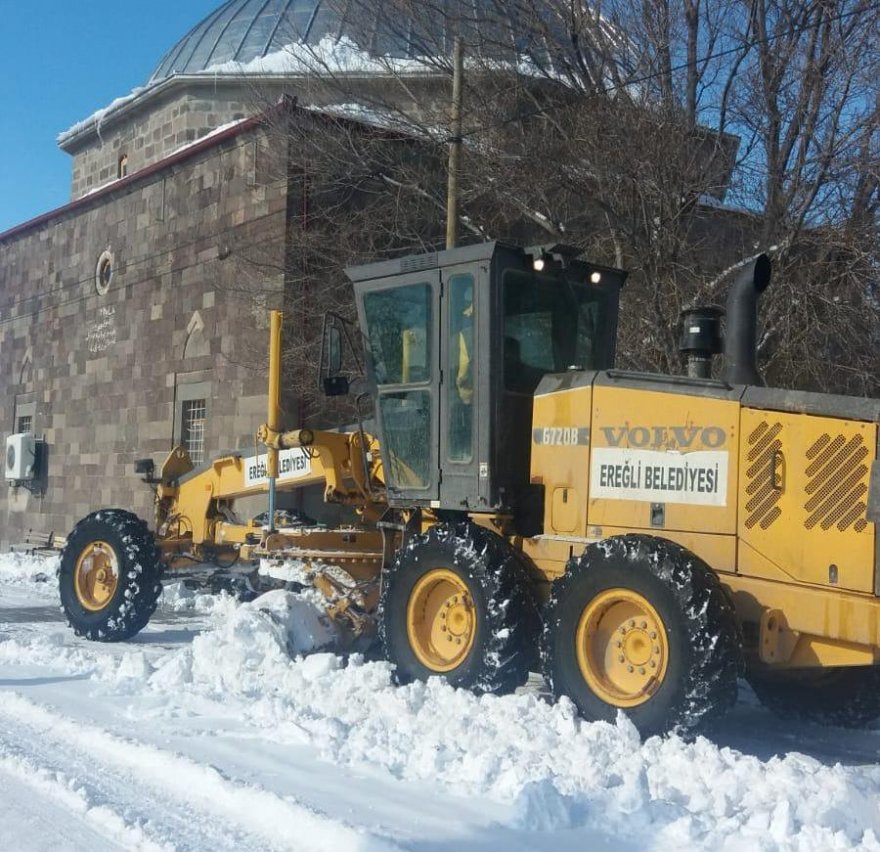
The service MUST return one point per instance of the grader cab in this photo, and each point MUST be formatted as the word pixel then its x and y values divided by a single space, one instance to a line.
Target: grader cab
pixel 641 539
pixel 457 344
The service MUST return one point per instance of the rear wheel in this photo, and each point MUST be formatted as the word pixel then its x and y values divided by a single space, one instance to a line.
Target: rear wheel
pixel 457 603
pixel 847 696
pixel 110 576
pixel 639 624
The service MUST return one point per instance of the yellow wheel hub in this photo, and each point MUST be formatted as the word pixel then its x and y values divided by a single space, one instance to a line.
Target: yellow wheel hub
pixel 441 620
pixel 96 576
pixel 622 647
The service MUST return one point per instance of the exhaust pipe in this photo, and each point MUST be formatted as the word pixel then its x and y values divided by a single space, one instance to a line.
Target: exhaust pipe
pixel 741 336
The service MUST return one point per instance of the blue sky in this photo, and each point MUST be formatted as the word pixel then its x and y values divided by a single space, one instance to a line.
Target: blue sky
pixel 60 60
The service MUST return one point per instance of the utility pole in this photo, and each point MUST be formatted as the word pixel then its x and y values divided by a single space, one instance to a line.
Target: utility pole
pixel 454 145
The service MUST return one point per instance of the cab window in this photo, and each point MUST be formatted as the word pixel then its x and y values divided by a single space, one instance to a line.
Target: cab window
pixel 399 326
pixel 550 325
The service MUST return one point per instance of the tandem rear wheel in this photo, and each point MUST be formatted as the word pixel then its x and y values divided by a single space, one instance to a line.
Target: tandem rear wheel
pixel 641 625
pixel 848 697
pixel 110 576
pixel 457 603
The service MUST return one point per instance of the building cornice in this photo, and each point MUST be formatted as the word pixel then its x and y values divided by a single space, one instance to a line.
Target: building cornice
pixel 90 129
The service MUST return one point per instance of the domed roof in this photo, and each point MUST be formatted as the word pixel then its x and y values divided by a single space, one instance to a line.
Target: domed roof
pixel 241 31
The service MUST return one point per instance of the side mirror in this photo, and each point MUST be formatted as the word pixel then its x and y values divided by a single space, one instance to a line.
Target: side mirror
pixel 334 340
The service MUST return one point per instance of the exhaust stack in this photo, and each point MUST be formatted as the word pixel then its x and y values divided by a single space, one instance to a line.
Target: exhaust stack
pixel 741 336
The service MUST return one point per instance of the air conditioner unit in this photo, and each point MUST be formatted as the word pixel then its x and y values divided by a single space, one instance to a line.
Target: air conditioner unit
pixel 21 456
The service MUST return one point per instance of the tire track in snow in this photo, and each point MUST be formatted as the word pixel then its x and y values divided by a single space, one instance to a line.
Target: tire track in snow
pixel 88 800
pixel 173 801
pixel 36 802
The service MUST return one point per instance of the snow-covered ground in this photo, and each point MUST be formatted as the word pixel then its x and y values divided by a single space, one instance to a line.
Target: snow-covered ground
pixel 203 733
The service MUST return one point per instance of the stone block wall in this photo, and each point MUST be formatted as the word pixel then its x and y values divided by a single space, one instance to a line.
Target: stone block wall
pixel 148 133
pixel 101 374
pixel 179 111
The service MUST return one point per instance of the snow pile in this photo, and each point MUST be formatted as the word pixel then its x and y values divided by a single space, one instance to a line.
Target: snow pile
pixel 342 56
pixel 560 772
pixel 247 643
pixel 51 650
pixel 294 623
pixel 28 569
pixel 176 597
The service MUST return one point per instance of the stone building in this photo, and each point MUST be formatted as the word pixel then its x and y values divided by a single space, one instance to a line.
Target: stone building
pixel 123 330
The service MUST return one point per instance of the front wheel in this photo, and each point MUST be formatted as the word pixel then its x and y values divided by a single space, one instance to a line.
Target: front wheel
pixel 639 624
pixel 458 604
pixel 110 576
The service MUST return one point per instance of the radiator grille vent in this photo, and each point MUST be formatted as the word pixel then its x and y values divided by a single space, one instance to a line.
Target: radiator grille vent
pixel 761 496
pixel 836 486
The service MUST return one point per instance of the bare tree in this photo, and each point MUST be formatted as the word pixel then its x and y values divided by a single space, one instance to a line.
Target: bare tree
pixel 677 138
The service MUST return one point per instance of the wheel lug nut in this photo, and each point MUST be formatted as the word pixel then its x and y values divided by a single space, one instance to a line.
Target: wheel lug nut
pixel 620 658
pixel 642 670
pixel 620 644
pixel 653 664
pixel 629 668
pixel 623 630
pixel 656 649
pixel 458 641
pixel 443 627
pixel 449 638
pixel 653 634
pixel 632 623
pixel 644 624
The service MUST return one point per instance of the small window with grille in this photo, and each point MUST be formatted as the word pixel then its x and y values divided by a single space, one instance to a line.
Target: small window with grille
pixel 25 423
pixel 193 429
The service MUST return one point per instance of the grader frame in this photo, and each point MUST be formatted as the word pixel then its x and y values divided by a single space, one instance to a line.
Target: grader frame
pixel 657 521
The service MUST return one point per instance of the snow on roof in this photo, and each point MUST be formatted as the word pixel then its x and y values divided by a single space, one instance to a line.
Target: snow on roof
pixel 331 56
pixel 97 117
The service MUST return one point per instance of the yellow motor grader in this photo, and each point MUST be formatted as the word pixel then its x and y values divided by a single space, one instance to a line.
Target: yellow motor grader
pixel 643 539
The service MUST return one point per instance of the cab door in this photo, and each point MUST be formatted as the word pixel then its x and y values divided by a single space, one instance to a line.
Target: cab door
pixel 403 352
pixel 462 403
